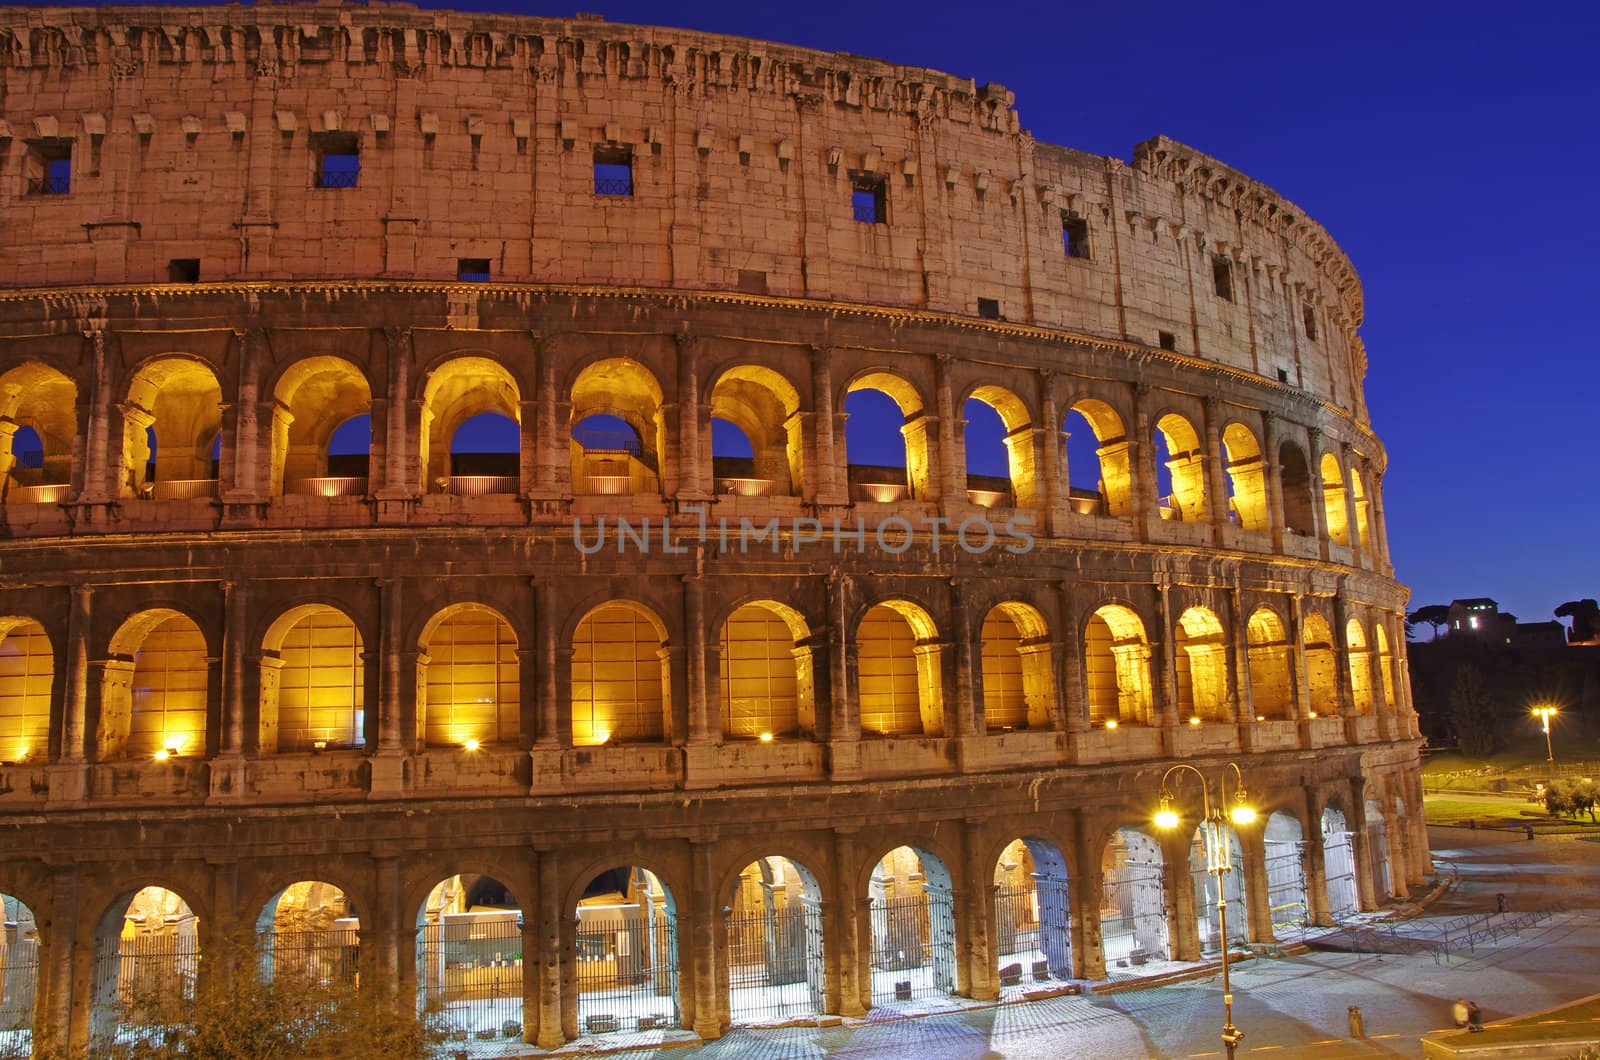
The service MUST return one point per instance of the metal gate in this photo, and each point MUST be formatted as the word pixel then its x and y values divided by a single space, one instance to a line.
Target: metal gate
pixel 775 964
pixel 469 973
pixel 19 977
pixel 312 958
pixel 913 948
pixel 1133 915
pixel 1339 867
pixel 1206 885
pixel 1286 884
pixel 140 986
pixel 1031 931
pixel 627 972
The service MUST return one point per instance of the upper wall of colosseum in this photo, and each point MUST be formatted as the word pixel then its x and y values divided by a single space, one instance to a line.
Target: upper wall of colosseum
pixel 138 140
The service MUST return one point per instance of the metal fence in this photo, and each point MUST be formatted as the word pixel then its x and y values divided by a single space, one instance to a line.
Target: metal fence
pixel 627 973
pixel 1286 885
pixel 1031 932
pixel 482 485
pixel 775 965
pixel 913 948
pixel 19 978
pixel 1133 915
pixel 317 958
pixel 140 986
pixel 469 972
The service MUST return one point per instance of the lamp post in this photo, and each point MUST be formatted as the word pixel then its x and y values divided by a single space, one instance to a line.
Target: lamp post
pixel 1544 714
pixel 1219 860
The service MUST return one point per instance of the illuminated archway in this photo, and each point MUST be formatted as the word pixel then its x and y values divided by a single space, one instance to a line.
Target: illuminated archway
pixel 1247 481
pixel 1117 668
pixel 620 677
pixel 1355 640
pixel 1271 686
pixel 1032 915
pixel 313 399
pixel 1109 489
pixel 1295 479
pixel 767 679
pixel 775 943
pixel 1339 864
pixel 1133 903
pixel 1358 493
pixel 1333 500
pixel 176 403
pixel 1385 665
pixel 471 967
pixel 147 958
pixel 455 392
pixel 1285 854
pixel 873 455
pixel 309 934
pixel 38 428
pixel 27 670
pixel 619 451
pixel 1180 463
pixel 899 684
pixel 1018 689
pixel 1020 461
pixel 469 690
pixel 627 956
pixel 765 407
pixel 313 682
pixel 1208 885
pixel 1202 665
pixel 912 909
pixel 19 977
pixel 153 699
pixel 1322 682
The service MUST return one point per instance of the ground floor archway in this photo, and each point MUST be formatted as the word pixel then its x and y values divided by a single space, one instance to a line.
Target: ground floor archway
pixel 309 933
pixel 19 976
pixel 1285 852
pixel 775 943
pixel 627 953
pixel 147 957
pixel 912 908
pixel 1133 903
pixel 1339 865
pixel 1210 886
pixel 1378 851
pixel 1032 915
pixel 469 962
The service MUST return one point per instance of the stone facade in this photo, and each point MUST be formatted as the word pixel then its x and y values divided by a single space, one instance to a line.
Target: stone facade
pixel 194 299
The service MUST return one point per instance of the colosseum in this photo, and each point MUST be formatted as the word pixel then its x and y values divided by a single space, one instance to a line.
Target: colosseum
pixel 620 529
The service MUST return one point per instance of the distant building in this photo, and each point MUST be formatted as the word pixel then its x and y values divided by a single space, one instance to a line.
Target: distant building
pixel 1478 616
pixel 1481 617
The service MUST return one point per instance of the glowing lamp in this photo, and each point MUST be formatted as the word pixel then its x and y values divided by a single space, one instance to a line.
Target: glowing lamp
pixel 470 744
pixel 162 755
pixel 1311 714
pixel 1111 723
pixel 319 745
pixel 1242 814
pixel 602 736
pixel 1165 817
pixel 1261 717
pixel 766 737
pixel 1194 721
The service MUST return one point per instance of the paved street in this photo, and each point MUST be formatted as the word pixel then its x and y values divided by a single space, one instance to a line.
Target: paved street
pixel 1293 1006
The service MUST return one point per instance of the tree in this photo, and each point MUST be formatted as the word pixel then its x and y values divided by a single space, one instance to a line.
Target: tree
pixel 1473 708
pixel 1435 615
pixel 1585 615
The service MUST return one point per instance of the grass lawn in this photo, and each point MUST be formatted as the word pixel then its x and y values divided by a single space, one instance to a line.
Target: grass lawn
pixel 1508 812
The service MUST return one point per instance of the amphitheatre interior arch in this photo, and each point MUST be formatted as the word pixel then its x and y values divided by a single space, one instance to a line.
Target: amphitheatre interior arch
pixel 1322 681
pixel 1360 659
pixel 1271 681
pixel 1117 668
pixel 38 432
pixel 1032 915
pixel 764 408
pixel 1358 492
pixel 153 697
pixel 1295 479
pixel 1018 682
pixel 1202 665
pixel 912 909
pixel 768 685
pixel 457 391
pixel 999 424
pixel 172 420
pixel 873 455
pixel 1385 664
pixel 620 678
pixel 1180 470
pixel 899 683
pixel 1133 904
pixel 147 960
pixel 27 671
pixel 1333 500
pixel 775 943
pixel 1246 477
pixel 309 933
pixel 470 960
pixel 627 953
pixel 469 690
pixel 1284 845
pixel 312 400
pixel 1208 885
pixel 1098 463
pixel 1339 864
pixel 618 431
pixel 19 976
pixel 313 682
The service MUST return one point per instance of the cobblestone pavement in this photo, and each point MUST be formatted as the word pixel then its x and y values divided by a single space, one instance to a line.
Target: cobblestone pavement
pixel 1293 1006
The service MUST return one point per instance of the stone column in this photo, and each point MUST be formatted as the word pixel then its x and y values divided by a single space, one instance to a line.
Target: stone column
pixel 75 694
pixel 846 719
pixel 952 470
pixel 703 936
pixel 1072 682
pixel 1216 484
pixel 1360 848
pixel 551 430
pixel 391 936
pixel 1377 529
pixel 1315 861
pixel 401 473
pixel 246 425
pixel 1257 900
pixel 235 630
pixel 703 726
pixel 1085 891
pixel 1342 661
pixel 99 481
pixel 1054 491
pixel 964 716
pixel 1301 686
pixel 1319 505
pixel 528 454
pixel 1163 662
pixel 548 729
pixel 1272 469
pixel 847 961
pixel 1183 924
pixel 693 482
pixel 1241 696
pixel 551 954
pixel 65 972
pixel 975 957
pixel 1141 465
pixel 1352 519
pixel 829 473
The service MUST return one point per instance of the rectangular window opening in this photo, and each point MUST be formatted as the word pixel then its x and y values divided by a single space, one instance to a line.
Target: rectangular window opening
pixel 1311 323
pixel 338 160
pixel 1074 235
pixel 1283 375
pixel 1222 277
pixel 183 270
pixel 613 170
pixel 472 270
pixel 1168 340
pixel 752 281
pixel 868 198
pixel 989 308
pixel 48 167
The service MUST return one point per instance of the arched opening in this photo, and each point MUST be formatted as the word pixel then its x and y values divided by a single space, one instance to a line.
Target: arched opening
pixel 1271 686
pixel 308 937
pixel 627 953
pixel 1378 850
pixel 485 455
pixel 617 429
pixel 1018 686
pixel 768 685
pixel 620 677
pixel 1202 664
pixel 1295 477
pixel 1208 885
pixel 147 954
pixel 315 400
pixel 1117 668
pixel 171 421
pixel 1355 640
pixel 1180 471
pixel 469 687
pixel 1358 493
pixel 470 962
pixel 458 391
pixel 912 908
pixel 1098 470
pixel 1285 854
pixel 756 444
pixel 1246 478
pixel 27 670
pixel 1322 682
pixel 886 440
pixel 1333 500
pixel 313 682
pixel 775 955
pixel 153 700
pixel 1385 665
pixel 1133 903
pixel 38 430
pixel 1031 915
pixel 1339 864
pixel 899 683
pixel 19 976
pixel 1001 463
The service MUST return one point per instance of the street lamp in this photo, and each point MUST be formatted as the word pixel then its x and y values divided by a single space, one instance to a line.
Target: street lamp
pixel 1544 714
pixel 1219 859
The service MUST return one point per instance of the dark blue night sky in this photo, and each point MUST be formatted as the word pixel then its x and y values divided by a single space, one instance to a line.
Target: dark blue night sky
pixel 1451 150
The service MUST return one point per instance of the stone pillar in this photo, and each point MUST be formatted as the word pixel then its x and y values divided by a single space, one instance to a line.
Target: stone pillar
pixel 235 630
pixel 963 714
pixel 1421 857
pixel 847 959
pixel 1183 923
pixel 1301 686
pixel 1074 693
pixel 388 773
pixel 1257 899
pixel 1319 506
pixel 1351 514
pixel 75 696
pixel 61 1013
pixel 1273 471
pixel 952 471
pixel 1163 662
pixel 1342 662
pixel 1315 862
pixel 1141 466
pixel 846 718
pixel 1361 850
pixel 830 476
pixel 548 730
pixel 1216 484
pixel 1085 891
pixel 1240 692
pixel 975 956
pixel 703 726
pixel 693 482
pixel 245 484
pixel 401 473
pixel 99 481
pixel 706 920
pixel 528 453
pixel 1377 529
pixel 1395 835
pixel 391 933
pixel 552 953
pixel 551 431
pixel 1054 492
